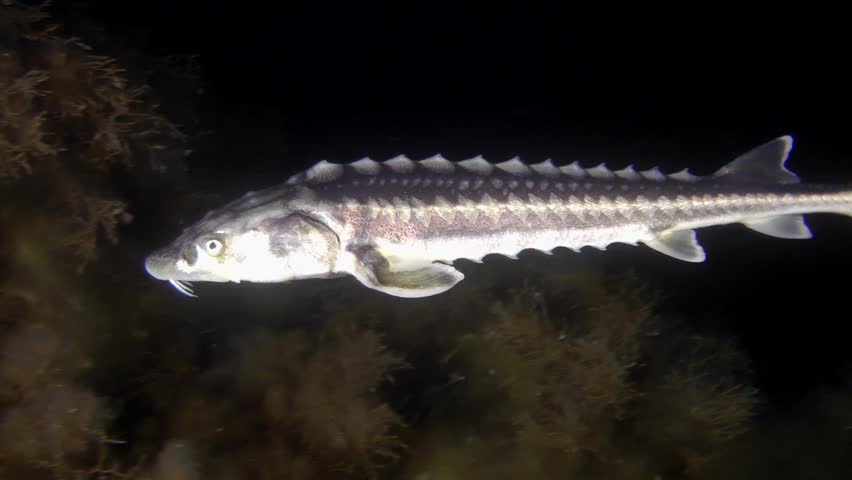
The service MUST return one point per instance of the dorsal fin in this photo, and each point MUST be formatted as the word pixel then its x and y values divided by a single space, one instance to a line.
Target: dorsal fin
pixel 762 164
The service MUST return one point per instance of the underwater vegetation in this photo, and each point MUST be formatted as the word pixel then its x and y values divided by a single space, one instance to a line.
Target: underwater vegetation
pixel 71 122
pixel 580 377
pixel 107 375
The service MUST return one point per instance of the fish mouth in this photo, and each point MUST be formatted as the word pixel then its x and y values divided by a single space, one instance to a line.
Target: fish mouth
pixel 161 268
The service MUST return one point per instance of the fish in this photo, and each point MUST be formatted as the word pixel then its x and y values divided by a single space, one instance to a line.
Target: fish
pixel 400 226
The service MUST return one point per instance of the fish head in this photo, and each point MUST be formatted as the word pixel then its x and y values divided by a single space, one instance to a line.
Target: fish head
pixel 253 241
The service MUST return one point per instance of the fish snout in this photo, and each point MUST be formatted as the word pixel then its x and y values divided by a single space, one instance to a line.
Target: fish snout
pixel 160 266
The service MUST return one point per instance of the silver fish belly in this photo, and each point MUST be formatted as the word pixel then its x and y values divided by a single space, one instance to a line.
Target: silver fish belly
pixel 398 225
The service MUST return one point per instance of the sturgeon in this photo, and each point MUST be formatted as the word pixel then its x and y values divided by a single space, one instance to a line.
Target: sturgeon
pixel 398 226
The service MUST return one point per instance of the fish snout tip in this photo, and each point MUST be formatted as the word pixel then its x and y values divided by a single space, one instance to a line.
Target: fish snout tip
pixel 154 264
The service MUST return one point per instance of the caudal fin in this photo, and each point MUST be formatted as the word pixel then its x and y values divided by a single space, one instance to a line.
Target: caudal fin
pixel 763 164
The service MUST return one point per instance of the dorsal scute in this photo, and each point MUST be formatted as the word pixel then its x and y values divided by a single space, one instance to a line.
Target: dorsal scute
pixel 546 168
pixel 514 167
pixel 653 174
pixel 401 164
pixel 438 164
pixel 477 165
pixel 366 166
pixel 684 176
pixel 324 172
pixel 600 171
pixel 573 170
pixel 628 173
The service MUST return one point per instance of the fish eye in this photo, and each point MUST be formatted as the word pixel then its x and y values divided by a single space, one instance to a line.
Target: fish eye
pixel 212 246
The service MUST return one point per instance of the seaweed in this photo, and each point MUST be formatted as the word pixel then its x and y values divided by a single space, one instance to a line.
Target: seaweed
pixel 314 396
pixel 70 119
pixel 580 390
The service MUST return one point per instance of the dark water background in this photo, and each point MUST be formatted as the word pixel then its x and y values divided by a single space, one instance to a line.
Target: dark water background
pixel 277 89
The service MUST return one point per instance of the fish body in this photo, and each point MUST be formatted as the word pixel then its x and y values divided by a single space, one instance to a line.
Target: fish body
pixel 399 225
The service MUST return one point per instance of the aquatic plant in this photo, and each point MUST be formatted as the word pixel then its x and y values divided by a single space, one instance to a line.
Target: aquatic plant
pixel 174 462
pixel 299 400
pixel 69 119
pixel 51 426
pixel 575 379
pixel 71 122
pixel 337 408
pixel 568 382
pixel 702 402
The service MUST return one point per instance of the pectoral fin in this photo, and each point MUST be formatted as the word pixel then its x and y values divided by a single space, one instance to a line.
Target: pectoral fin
pixel 375 271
